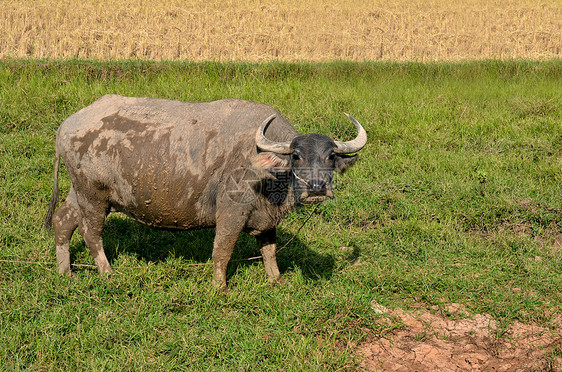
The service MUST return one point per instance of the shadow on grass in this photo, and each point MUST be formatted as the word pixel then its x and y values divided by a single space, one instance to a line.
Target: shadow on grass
pixel 122 235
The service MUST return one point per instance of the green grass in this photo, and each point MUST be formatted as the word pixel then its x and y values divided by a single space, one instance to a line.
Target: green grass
pixel 456 198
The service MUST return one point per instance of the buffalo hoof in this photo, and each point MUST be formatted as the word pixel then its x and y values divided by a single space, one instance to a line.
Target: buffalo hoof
pixel 220 286
pixel 278 281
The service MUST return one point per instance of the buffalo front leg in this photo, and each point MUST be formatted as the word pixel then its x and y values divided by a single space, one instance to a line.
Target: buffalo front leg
pixel 267 241
pixel 225 241
pixel 65 221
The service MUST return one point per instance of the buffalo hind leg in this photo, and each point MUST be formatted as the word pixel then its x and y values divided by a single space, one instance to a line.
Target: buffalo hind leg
pixel 91 231
pixel 91 227
pixel 267 241
pixel 65 221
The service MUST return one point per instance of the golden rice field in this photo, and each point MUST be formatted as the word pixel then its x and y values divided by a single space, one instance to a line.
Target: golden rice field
pixel 290 30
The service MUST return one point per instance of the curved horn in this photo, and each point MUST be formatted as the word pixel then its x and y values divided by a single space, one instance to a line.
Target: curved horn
pixel 353 145
pixel 268 145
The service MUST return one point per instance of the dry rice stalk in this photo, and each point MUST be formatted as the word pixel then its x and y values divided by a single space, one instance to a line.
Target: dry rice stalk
pixel 287 30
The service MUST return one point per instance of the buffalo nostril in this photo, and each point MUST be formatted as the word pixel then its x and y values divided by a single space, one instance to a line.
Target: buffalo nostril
pixel 317 187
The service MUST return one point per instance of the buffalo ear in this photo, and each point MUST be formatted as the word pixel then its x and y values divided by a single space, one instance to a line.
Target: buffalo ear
pixel 343 162
pixel 270 161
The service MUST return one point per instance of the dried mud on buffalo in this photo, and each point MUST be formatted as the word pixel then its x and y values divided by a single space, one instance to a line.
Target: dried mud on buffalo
pixel 454 340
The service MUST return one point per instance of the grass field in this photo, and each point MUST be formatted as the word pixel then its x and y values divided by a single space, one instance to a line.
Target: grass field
pixel 288 30
pixel 457 197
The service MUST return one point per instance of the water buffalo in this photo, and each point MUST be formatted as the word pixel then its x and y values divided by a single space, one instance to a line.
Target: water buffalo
pixel 231 164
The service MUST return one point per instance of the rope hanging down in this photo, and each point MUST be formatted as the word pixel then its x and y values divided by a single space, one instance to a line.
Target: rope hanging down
pixel 290 240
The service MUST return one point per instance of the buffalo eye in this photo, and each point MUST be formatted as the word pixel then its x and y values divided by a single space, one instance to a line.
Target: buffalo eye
pixel 332 156
pixel 296 156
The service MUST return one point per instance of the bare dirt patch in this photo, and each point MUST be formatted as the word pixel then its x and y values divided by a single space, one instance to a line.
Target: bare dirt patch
pixel 455 340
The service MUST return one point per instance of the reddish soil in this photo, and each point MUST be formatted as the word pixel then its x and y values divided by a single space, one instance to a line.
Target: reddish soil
pixel 455 340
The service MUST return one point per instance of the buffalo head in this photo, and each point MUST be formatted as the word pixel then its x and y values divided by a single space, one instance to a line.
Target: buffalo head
pixel 308 160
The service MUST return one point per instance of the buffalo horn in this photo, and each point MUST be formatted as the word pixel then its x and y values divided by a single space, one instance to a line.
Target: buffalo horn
pixel 265 144
pixel 353 145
